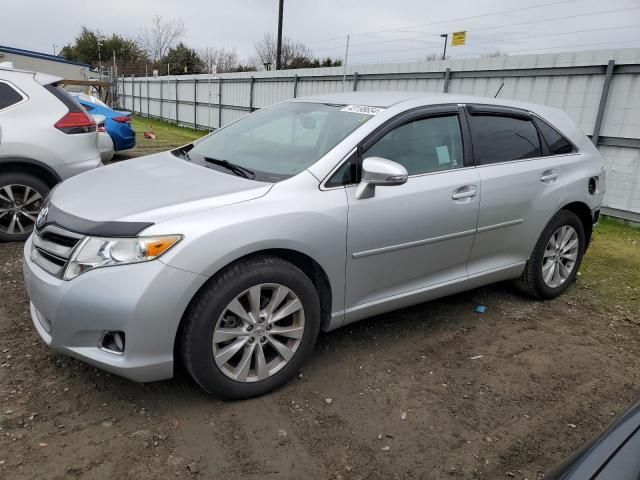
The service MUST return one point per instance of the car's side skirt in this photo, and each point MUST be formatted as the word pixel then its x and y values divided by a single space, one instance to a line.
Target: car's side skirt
pixel 432 292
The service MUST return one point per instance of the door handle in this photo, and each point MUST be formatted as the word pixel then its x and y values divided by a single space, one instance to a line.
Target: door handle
pixel 549 176
pixel 468 191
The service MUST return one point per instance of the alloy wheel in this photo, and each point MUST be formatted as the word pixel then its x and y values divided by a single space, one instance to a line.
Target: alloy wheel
pixel 560 256
pixel 19 207
pixel 258 332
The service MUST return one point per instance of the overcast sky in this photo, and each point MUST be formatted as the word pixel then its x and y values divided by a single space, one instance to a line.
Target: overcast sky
pixel 381 30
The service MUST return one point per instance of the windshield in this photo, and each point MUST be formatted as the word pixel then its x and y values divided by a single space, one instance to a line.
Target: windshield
pixel 280 141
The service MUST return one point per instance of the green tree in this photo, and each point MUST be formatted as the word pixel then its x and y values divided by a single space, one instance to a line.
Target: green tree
pixel 182 60
pixel 331 62
pixel 126 50
pixel 91 47
pixel 306 62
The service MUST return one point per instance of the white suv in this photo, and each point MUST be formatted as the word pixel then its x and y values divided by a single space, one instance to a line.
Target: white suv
pixel 45 137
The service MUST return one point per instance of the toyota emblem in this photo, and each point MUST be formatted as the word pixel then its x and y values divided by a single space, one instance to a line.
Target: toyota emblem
pixel 42 216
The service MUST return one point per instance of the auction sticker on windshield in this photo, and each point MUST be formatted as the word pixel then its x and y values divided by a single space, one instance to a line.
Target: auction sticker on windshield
pixel 365 109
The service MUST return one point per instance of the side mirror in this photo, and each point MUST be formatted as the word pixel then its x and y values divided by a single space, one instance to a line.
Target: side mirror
pixel 379 171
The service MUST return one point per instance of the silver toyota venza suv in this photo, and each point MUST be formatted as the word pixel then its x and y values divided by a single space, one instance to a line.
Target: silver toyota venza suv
pixel 231 253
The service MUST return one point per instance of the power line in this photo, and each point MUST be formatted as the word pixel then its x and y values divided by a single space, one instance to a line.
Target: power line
pixel 576 45
pixel 512 10
pixel 507 39
pixel 493 27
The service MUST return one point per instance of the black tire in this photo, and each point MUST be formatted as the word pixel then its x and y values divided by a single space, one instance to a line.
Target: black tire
pixel 531 282
pixel 23 179
pixel 205 309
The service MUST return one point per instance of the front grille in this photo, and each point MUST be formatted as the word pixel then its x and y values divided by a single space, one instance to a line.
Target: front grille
pixel 52 247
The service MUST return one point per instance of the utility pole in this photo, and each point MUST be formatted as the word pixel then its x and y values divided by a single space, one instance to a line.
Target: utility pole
pixel 346 58
pixel 99 54
pixel 54 49
pixel 446 37
pixel 114 81
pixel 279 46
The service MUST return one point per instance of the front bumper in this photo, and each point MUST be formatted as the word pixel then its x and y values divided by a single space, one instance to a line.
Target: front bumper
pixel 146 301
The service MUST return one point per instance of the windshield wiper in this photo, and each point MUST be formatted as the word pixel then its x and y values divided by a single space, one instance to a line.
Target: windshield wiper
pixel 237 169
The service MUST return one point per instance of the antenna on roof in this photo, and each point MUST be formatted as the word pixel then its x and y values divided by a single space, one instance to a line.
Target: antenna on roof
pixel 498 92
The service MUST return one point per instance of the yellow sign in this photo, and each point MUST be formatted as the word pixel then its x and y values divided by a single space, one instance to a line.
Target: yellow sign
pixel 458 38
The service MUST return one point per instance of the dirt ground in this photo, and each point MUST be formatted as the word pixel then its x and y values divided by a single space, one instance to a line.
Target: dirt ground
pixel 435 391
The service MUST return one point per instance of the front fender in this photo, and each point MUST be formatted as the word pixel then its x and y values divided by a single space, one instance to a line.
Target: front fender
pixel 304 220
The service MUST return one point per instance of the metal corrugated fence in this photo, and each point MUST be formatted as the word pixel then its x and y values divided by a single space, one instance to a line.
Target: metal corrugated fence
pixel 600 90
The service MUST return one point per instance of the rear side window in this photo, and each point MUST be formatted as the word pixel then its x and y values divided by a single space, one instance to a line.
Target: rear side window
pixel 8 96
pixel 499 138
pixel 558 144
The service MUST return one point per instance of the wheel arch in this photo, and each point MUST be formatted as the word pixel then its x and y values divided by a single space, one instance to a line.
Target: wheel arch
pixel 308 265
pixel 31 167
pixel 583 212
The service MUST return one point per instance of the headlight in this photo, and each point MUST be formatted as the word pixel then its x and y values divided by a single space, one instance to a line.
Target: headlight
pixel 96 252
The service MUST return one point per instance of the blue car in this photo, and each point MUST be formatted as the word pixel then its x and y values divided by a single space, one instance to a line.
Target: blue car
pixel 117 123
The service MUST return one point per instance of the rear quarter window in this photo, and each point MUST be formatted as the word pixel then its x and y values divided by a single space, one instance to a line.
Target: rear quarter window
pixel 557 143
pixel 8 96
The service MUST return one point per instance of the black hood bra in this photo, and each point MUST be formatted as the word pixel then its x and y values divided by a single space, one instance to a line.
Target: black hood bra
pixel 54 216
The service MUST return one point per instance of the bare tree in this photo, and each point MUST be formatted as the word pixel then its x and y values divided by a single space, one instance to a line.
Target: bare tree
pixel 267 47
pixel 161 37
pixel 226 60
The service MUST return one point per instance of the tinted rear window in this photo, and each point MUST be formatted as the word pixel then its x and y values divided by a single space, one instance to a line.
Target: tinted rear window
pixel 8 96
pixel 557 143
pixel 503 139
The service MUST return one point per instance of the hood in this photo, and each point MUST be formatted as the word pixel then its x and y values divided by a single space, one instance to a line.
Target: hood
pixel 151 189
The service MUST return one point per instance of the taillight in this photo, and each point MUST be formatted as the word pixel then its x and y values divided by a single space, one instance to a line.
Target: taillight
pixel 76 122
pixel 121 119
pixel 101 128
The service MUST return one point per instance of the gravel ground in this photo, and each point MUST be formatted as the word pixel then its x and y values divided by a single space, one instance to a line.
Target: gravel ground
pixel 435 391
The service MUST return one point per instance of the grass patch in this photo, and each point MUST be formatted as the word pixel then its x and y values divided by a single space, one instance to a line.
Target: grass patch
pixel 169 136
pixel 611 267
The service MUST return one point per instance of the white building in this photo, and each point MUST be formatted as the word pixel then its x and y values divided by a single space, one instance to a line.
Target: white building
pixel 45 63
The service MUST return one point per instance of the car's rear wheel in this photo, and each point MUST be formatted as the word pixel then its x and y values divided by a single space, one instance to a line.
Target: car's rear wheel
pixel 556 258
pixel 250 328
pixel 21 198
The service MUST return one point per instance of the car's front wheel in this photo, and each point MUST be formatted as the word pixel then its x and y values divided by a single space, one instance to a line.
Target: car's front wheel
pixel 556 258
pixel 250 328
pixel 21 197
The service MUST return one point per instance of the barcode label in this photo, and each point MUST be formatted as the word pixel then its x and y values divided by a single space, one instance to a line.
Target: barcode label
pixel 365 109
